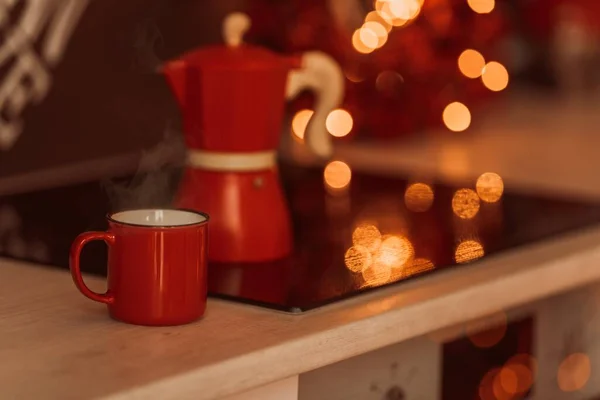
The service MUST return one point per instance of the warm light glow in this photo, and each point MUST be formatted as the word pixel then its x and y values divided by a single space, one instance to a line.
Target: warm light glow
pixel 523 368
pixel 368 38
pixel 467 251
pixel 418 197
pixel 495 76
pixel 377 274
pixel 375 17
pixel 465 203
pixel 359 45
pixel 482 6
pixel 490 187
pixel 300 122
pixel 486 386
pixel 339 123
pixel 367 235
pixel 419 265
pixel 384 10
pixel 358 258
pixel 394 252
pixel 506 383
pixel 574 372
pixel 457 117
pixel 337 175
pixel 354 76
pixel 471 63
pixel 404 9
pixel 379 30
pixel 488 331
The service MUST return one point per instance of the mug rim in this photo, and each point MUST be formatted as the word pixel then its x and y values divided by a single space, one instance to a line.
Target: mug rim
pixel 109 217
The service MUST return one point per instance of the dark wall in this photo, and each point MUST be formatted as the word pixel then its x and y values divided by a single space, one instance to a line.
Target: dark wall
pixel 105 98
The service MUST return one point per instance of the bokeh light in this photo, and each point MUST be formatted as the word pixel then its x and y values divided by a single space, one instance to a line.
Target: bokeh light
pixel 368 38
pixel 394 252
pixel 337 175
pixel 377 274
pixel 495 76
pixel 379 30
pixel 490 187
pixel 404 9
pixel 523 367
pixel 486 385
pixel 506 383
pixel 487 332
pixel 339 123
pixel 300 122
pixel 375 17
pixel 465 203
pixel 359 45
pixel 384 9
pixel 457 117
pixel 418 266
pixel 358 258
pixel 368 236
pixel 471 63
pixel 467 251
pixel 418 197
pixel 574 372
pixel 482 6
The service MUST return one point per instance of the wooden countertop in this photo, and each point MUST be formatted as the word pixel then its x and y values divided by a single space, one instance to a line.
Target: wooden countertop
pixel 55 344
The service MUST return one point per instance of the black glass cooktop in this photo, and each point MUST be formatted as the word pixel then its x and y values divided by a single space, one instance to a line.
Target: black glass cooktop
pixel 377 231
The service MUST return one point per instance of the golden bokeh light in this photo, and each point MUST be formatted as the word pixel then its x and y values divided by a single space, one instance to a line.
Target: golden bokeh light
pixel 457 117
pixel 377 274
pixel 482 6
pixel 490 187
pixel 339 123
pixel 404 9
pixel 379 30
pixel 359 45
pixel 467 251
pixel 487 332
pixel 337 175
pixel 522 367
pixel 418 266
pixel 487 384
pixel 465 203
pixel 506 383
pixel 574 372
pixel 358 258
pixel 384 10
pixel 374 16
pixel 394 252
pixel 300 122
pixel 368 38
pixel 495 76
pixel 418 197
pixel 471 63
pixel 368 236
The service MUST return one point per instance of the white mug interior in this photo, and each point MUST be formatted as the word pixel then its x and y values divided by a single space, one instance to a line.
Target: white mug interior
pixel 158 217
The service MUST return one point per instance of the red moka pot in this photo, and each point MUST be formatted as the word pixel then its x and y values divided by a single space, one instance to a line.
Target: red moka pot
pixel 232 101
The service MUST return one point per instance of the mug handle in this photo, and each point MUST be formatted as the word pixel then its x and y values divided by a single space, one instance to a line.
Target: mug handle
pixel 78 244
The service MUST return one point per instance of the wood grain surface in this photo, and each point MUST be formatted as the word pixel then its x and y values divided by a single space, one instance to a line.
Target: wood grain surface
pixel 55 344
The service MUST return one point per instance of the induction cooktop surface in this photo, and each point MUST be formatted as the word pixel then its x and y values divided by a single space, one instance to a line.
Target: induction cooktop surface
pixel 353 232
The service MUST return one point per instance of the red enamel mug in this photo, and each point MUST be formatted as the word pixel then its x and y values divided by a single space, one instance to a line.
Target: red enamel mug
pixel 156 266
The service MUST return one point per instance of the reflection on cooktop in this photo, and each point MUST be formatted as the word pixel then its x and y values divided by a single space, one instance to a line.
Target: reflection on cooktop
pixel 353 231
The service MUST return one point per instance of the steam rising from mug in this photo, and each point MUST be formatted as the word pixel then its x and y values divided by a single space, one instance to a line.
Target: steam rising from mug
pixel 154 182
